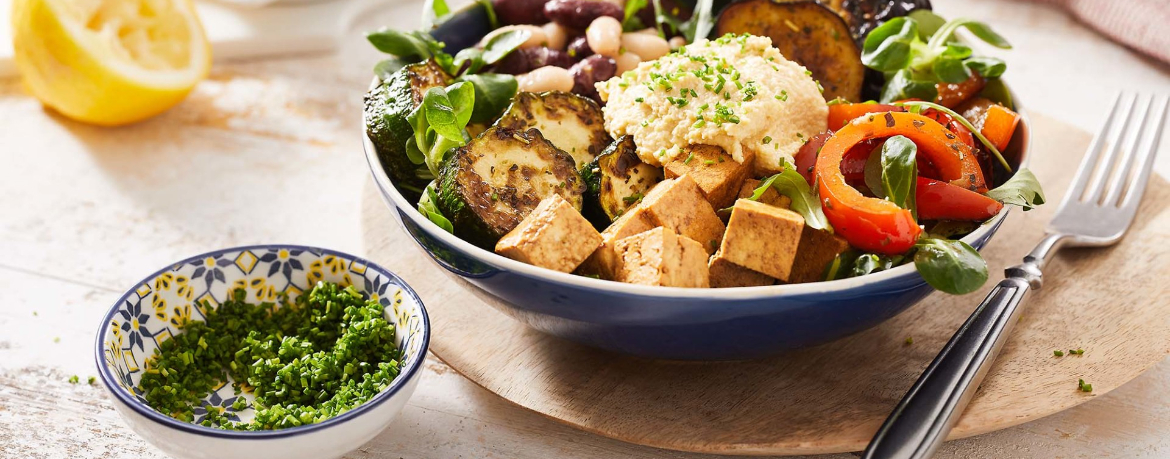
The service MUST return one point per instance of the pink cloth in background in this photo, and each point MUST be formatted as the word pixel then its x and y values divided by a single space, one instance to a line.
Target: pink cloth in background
pixel 1143 25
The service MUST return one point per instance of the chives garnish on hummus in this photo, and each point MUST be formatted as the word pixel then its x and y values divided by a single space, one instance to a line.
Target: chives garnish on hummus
pixel 737 92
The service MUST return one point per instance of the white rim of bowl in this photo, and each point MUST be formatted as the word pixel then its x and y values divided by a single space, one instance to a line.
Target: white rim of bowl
pixel 382 180
pixel 150 413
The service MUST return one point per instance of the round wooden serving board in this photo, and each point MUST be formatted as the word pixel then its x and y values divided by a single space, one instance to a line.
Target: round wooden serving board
pixel 831 398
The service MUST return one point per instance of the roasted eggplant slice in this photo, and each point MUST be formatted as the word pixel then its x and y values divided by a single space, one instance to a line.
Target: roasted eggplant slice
pixel 865 15
pixel 806 32
pixel 492 183
pixel 616 181
pixel 571 122
pixel 386 107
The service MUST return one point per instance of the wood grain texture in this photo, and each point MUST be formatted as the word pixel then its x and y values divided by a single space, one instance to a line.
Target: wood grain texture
pixel 833 397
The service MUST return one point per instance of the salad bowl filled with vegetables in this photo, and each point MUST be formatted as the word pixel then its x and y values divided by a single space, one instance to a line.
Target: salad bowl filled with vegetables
pixel 698 181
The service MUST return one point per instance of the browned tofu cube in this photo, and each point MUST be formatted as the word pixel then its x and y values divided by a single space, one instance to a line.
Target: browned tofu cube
pixel 553 236
pixel 661 257
pixel 724 273
pixel 679 205
pixel 762 238
pixel 817 249
pixel 770 197
pixel 716 173
pixel 603 262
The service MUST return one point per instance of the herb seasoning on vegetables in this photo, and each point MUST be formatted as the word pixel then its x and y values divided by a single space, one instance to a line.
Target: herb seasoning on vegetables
pixel 305 361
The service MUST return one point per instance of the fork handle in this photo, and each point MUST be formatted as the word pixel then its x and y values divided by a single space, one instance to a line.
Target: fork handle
pixel 926 414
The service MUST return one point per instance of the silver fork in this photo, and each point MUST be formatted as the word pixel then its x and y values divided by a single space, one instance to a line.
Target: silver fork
pixel 1097 210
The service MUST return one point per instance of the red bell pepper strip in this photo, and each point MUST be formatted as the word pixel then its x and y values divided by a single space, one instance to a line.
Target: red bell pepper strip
pixel 942 201
pixel 806 158
pixel 842 114
pixel 876 225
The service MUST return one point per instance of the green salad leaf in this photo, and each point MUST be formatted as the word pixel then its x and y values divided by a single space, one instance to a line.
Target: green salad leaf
pixel 503 44
pixel 630 20
pixel 916 52
pixel 899 171
pixel 700 24
pixel 440 124
pixel 409 46
pixel 493 93
pixel 433 12
pixel 950 266
pixel 387 67
pixel 804 200
pixel 928 22
pixel 471 60
pixel 427 205
pixel 890 46
pixel 853 263
pixel 1023 190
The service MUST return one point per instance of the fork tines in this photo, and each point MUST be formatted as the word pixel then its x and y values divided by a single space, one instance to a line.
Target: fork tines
pixel 1114 180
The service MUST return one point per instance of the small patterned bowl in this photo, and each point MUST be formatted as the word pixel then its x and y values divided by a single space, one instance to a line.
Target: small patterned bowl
pixel 150 312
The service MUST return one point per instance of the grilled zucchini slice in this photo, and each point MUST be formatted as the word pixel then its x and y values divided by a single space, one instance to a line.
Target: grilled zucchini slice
pixel 573 123
pixel 492 183
pixel 616 181
pixel 386 107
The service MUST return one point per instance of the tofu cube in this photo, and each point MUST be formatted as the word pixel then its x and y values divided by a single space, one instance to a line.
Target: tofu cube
pixel 554 236
pixel 762 238
pixel 724 274
pixel 713 170
pixel 678 204
pixel 661 257
pixel 817 249
pixel 770 197
pixel 603 261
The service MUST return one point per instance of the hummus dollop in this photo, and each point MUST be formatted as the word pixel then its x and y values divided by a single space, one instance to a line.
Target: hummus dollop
pixel 736 92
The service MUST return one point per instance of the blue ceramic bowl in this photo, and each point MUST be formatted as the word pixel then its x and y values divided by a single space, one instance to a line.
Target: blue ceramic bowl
pixel 662 322
pixel 152 309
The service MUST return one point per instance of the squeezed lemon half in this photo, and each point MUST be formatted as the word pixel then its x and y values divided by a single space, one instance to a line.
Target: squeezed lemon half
pixel 109 62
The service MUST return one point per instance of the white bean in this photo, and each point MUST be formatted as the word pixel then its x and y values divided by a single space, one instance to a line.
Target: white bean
pixel 677 42
pixel 557 36
pixel 538 37
pixel 648 47
pixel 627 61
pixel 647 31
pixel 604 35
pixel 547 78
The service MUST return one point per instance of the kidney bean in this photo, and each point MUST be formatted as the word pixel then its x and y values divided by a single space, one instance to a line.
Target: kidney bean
pixel 627 61
pixel 515 63
pixel 580 13
pixel 519 11
pixel 605 36
pixel 579 48
pixel 591 70
pixel 646 46
pixel 540 57
pixel 543 79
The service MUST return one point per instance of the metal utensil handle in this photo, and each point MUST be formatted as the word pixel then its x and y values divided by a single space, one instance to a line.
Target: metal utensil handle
pixel 920 423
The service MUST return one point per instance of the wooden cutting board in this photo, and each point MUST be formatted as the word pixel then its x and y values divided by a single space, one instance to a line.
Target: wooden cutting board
pixel 1113 303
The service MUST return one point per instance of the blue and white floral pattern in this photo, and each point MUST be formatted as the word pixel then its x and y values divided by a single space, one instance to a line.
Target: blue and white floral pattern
pixel 155 309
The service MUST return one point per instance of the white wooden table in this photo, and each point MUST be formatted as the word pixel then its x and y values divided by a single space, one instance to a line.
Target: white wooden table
pixel 269 152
